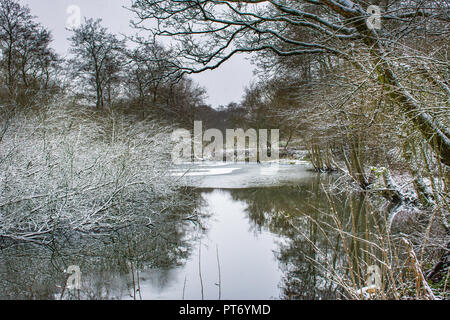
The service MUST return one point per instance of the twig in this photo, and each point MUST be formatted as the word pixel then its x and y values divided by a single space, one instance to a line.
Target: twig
pixel 200 268
pixel 417 269
pixel 218 266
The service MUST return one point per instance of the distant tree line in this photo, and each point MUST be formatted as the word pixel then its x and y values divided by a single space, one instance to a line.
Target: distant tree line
pixel 101 70
pixel 85 141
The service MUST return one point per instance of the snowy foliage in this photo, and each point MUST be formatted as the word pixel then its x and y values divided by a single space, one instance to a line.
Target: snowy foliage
pixel 72 169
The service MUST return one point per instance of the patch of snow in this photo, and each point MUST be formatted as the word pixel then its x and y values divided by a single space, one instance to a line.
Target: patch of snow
pixel 207 172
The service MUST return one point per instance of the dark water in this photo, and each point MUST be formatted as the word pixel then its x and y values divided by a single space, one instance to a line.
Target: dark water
pixel 251 241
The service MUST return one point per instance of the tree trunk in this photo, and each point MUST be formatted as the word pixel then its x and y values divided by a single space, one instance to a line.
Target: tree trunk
pixel 433 132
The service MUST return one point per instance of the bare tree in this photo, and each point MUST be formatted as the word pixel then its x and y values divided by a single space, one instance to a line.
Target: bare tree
pixel 26 57
pixel 149 71
pixel 97 58
pixel 210 32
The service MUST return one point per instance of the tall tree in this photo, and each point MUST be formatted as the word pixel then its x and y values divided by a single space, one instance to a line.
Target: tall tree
pixel 98 57
pixel 149 71
pixel 210 32
pixel 26 57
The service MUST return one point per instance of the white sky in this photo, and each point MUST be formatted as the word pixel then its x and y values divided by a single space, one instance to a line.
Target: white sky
pixel 224 85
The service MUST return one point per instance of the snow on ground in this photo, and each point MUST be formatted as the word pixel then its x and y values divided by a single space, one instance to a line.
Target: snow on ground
pixel 242 175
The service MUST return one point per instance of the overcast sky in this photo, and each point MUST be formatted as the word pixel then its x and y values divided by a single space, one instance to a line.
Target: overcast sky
pixel 224 85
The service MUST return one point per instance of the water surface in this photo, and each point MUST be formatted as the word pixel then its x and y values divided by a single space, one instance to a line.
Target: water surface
pixel 253 240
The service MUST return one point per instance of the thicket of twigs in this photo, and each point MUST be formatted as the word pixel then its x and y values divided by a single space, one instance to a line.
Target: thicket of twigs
pixel 66 168
pixel 399 248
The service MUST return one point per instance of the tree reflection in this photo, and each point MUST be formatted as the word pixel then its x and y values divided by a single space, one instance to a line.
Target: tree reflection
pixel 112 264
pixel 321 243
pixel 313 252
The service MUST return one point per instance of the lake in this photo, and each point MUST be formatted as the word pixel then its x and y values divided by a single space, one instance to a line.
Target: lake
pixel 256 232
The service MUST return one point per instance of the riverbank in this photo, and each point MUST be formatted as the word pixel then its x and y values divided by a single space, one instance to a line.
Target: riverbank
pixel 416 222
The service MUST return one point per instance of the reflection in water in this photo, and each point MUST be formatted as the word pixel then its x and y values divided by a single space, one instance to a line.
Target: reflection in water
pixel 300 214
pixel 112 265
pixel 267 242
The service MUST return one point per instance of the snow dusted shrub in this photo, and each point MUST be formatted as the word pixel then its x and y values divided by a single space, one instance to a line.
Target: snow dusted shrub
pixel 66 169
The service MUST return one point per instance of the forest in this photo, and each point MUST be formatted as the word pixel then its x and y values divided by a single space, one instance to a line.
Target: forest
pixel 85 140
